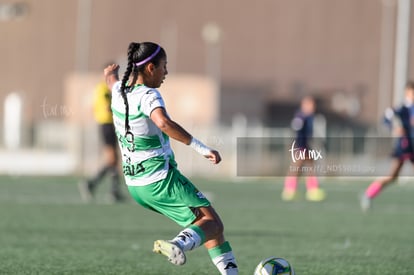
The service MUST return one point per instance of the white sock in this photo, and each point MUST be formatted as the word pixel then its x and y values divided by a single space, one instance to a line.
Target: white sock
pixel 188 239
pixel 226 264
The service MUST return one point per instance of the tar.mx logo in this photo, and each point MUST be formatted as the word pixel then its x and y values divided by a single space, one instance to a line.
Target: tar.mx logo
pixel 304 153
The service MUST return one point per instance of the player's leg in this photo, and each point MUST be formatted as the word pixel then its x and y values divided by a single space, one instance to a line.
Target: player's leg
pixel 378 185
pixel 114 174
pixel 176 198
pixel 108 137
pixel 291 181
pixel 158 198
pixel 87 187
pixel 208 229
pixel 191 209
pixel 313 190
pixel 206 226
pixel 109 160
pixel 219 249
pixel 110 156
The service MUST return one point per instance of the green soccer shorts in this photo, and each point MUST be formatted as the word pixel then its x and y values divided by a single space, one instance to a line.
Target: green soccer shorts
pixel 174 197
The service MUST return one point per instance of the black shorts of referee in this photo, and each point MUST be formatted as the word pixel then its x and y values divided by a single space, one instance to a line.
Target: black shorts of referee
pixel 108 134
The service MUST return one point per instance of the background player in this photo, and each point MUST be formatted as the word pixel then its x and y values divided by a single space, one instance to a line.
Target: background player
pixel 143 128
pixel 302 123
pixel 103 117
pixel 403 148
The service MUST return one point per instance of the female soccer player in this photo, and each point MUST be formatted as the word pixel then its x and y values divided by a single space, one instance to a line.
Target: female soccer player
pixel 302 123
pixel 143 128
pixel 403 150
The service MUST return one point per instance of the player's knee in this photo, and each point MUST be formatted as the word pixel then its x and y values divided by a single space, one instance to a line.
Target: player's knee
pixel 218 227
pixel 213 228
pixel 210 221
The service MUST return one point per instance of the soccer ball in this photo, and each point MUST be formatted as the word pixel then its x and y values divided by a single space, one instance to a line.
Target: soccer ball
pixel 274 266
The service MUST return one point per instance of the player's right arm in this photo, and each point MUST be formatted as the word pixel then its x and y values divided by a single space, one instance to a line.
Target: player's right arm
pixel 111 75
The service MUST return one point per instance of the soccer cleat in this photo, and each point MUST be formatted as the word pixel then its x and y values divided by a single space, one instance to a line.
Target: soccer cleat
pixel 171 250
pixel 85 190
pixel 315 194
pixel 288 195
pixel 365 203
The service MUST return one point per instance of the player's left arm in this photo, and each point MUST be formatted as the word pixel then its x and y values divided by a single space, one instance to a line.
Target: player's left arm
pixel 175 131
pixel 111 75
pixel 170 127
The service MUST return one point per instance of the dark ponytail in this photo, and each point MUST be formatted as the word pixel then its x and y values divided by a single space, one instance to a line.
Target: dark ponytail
pixel 133 47
pixel 139 54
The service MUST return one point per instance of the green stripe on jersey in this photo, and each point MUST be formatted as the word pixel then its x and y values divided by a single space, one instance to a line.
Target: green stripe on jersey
pixel 141 143
pixel 130 117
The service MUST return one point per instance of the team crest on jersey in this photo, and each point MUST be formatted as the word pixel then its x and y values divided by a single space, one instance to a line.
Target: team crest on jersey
pixel 200 195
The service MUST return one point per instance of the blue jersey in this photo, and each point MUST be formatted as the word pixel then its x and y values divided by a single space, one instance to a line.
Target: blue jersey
pixel 404 114
pixel 303 125
pixel 404 146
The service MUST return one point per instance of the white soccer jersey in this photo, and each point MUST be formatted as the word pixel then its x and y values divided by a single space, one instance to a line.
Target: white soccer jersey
pixel 146 159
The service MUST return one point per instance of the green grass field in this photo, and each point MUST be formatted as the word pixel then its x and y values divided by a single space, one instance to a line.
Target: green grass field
pixel 46 229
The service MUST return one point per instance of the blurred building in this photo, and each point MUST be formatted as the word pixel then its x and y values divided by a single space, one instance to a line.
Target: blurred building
pixel 263 55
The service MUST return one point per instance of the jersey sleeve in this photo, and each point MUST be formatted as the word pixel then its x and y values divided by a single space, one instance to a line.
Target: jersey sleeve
pixel 150 100
pixel 116 87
